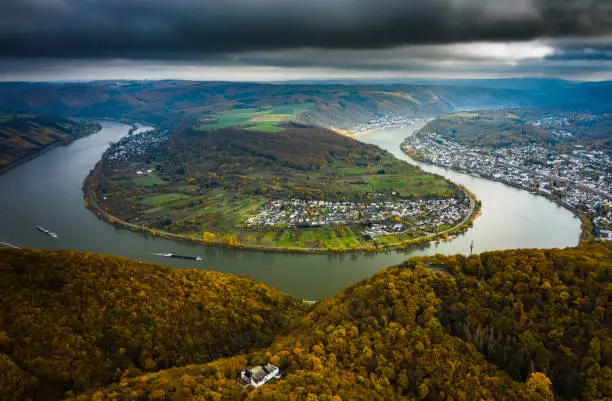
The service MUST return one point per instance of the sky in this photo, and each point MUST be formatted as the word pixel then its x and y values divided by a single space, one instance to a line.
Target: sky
pixel 268 40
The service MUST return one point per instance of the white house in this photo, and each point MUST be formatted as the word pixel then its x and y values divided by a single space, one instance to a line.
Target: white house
pixel 258 375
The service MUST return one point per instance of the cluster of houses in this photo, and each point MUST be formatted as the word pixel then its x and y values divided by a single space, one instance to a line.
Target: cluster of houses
pixel 581 179
pixel 382 228
pixel 559 121
pixel 306 213
pixel 385 121
pixel 136 144
pixel 558 124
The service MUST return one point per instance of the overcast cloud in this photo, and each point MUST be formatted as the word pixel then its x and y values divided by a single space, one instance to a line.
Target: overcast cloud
pixel 358 37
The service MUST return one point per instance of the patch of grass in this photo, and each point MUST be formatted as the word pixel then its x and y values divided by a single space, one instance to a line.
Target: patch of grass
pixel 286 110
pixel 154 210
pixel 410 185
pixel 165 200
pixel 266 126
pixel 257 119
pixel 306 235
pixel 352 170
pixel 285 240
pixel 270 236
pixel 149 180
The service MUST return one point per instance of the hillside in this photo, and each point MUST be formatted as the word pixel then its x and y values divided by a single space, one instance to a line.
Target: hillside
pixel 171 103
pixel 179 103
pixel 24 135
pixel 506 325
pixel 560 129
pixel 72 321
pixel 304 187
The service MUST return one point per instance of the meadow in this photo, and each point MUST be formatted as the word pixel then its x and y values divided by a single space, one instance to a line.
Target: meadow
pixel 264 119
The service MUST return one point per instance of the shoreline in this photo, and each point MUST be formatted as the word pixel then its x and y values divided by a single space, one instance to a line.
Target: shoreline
pixel 44 150
pixel 584 233
pixel 92 204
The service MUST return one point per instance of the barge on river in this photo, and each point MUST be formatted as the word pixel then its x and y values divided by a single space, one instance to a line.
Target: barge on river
pixel 48 232
pixel 175 256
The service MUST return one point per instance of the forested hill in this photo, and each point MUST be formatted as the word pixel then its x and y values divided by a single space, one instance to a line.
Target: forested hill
pixel 24 135
pixel 73 321
pixel 522 127
pixel 498 326
pixel 506 325
pixel 174 103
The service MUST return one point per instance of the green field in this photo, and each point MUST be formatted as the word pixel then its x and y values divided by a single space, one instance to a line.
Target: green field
pixel 266 126
pixel 165 200
pixel 149 180
pixel 352 170
pixel 407 185
pixel 266 119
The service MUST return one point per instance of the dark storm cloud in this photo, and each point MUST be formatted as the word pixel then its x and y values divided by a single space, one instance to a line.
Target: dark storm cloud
pixel 200 28
pixel 587 50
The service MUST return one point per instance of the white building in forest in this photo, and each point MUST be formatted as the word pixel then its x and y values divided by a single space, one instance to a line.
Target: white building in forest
pixel 258 375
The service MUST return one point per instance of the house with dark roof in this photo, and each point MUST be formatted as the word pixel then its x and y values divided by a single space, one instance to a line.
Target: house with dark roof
pixel 257 375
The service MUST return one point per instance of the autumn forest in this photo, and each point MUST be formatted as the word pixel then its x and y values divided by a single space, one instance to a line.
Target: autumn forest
pixel 519 324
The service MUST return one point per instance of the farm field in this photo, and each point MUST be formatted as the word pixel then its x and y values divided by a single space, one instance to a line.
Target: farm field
pixel 265 119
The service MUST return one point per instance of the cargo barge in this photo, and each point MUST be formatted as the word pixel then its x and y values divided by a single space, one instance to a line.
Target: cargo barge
pixel 49 233
pixel 175 256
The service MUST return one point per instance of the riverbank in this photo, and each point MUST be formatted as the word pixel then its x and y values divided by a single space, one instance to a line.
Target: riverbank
pixel 48 191
pixel 586 223
pixel 46 149
pixel 92 203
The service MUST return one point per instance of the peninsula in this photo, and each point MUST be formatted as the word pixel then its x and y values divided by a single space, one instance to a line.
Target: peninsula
pixel 261 179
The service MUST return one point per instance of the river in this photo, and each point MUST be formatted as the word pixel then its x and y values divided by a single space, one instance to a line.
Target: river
pixel 47 191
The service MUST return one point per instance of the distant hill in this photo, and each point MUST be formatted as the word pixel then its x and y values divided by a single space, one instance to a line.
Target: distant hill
pixel 507 325
pixel 522 84
pixel 519 127
pixel 73 321
pixel 337 105
pixel 25 135
pixel 173 103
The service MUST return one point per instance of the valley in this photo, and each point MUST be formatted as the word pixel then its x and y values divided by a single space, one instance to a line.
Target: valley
pixel 280 200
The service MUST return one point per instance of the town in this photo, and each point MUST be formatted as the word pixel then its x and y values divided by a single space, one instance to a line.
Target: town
pixel 382 218
pixel 580 180
pixel 386 121
pixel 140 143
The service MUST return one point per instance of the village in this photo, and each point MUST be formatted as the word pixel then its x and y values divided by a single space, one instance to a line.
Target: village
pixel 381 218
pixel 140 143
pixel 386 121
pixel 580 179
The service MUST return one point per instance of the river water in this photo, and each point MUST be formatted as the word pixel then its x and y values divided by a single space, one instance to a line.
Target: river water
pixel 47 191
